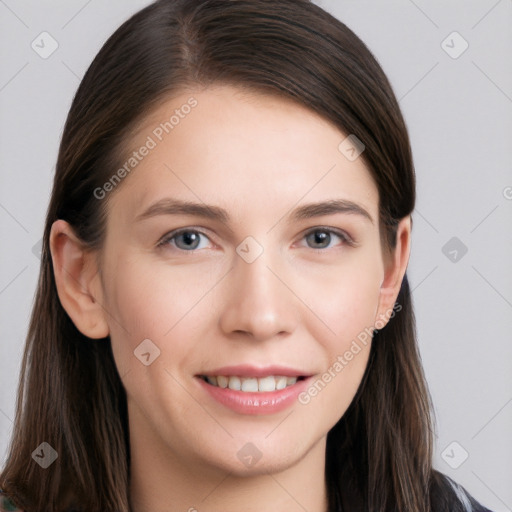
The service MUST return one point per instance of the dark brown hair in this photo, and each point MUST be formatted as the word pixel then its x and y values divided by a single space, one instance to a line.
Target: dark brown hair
pixel 379 455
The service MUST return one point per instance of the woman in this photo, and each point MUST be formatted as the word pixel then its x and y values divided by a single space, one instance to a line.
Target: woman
pixel 223 319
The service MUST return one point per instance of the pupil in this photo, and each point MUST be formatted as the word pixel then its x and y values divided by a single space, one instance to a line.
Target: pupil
pixel 321 237
pixel 189 238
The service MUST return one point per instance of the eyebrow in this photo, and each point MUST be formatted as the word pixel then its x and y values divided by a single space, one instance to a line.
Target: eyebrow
pixel 178 207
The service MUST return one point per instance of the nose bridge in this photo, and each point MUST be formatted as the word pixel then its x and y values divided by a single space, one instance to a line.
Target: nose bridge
pixel 258 302
pixel 256 277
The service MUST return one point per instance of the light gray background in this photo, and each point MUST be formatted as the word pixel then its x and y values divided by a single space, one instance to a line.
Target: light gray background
pixel 459 113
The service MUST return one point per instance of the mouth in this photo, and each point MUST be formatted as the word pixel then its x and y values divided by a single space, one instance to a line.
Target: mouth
pixel 254 390
pixel 265 384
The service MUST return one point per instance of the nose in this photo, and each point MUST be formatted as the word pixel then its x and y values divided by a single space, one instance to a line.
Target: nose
pixel 259 302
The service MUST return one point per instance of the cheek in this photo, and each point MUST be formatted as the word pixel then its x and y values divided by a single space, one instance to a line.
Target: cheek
pixel 159 303
pixel 344 298
pixel 330 394
pixel 350 314
pixel 347 305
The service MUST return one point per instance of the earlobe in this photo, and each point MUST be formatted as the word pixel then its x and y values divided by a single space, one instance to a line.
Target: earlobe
pixel 395 267
pixel 77 281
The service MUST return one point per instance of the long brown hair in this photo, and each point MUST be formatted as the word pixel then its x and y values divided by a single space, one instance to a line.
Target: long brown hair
pixel 379 455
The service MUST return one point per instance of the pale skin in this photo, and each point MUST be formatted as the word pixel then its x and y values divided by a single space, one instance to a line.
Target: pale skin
pixel 301 303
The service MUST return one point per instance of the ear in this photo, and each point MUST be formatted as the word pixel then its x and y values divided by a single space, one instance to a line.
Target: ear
pixel 395 265
pixel 78 281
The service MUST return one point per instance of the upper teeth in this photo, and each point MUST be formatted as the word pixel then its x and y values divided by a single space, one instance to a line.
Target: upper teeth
pixel 252 384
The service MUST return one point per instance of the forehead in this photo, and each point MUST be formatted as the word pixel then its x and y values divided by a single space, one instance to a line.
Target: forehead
pixel 241 150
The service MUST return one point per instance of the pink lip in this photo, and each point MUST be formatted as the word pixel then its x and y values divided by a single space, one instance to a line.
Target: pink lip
pixel 257 402
pixel 246 370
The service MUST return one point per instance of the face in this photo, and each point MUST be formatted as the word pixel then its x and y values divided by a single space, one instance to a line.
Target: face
pixel 251 284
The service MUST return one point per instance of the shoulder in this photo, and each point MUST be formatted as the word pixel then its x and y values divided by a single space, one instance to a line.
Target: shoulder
pixel 6 505
pixel 455 496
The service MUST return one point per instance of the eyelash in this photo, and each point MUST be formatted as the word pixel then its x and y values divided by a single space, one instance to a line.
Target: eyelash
pixel 346 239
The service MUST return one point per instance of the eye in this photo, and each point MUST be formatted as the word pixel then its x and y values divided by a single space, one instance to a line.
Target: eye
pixel 184 239
pixel 190 239
pixel 321 238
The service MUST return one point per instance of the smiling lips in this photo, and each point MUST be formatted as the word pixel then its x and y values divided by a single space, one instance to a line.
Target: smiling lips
pixel 250 390
pixel 251 384
pixel 251 379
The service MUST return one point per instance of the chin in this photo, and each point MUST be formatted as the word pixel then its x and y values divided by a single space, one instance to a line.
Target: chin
pixel 257 455
pixel 266 465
